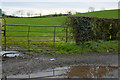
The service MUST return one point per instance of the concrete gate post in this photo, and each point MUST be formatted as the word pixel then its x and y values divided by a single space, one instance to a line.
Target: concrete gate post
pixel 0 37
pixel 0 51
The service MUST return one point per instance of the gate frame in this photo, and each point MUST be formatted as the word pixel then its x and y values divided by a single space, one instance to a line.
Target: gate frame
pixel 28 35
pixel 0 37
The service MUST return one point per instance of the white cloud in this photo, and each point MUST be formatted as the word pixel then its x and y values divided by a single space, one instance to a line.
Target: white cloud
pixel 50 8
pixel 42 11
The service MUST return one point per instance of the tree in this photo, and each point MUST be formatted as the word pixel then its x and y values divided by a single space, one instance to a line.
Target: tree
pixel 91 9
pixel 3 13
pixel 77 12
pixel 55 14
pixel 69 12
pixel 21 12
pixel 13 14
pixel 119 9
pixel 28 14
pixel 60 14
pixel 40 14
pixel 119 5
pixel 0 12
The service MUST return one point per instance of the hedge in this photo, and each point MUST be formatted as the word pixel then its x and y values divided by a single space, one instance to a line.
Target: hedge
pixel 93 28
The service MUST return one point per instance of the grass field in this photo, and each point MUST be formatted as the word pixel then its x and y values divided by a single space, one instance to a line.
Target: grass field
pixel 101 14
pixel 59 21
pixel 37 21
pixel 69 47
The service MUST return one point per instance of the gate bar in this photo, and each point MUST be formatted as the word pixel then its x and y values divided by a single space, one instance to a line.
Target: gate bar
pixel 33 25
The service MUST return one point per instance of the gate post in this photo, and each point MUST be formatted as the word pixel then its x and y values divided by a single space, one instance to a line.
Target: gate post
pixel 0 37
pixel 54 35
pixel 0 51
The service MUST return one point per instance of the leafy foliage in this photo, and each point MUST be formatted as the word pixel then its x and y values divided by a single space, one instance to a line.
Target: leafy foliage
pixel 91 28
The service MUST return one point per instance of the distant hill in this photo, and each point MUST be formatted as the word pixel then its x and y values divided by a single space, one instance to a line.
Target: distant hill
pixel 60 20
pixel 101 14
pixel 45 16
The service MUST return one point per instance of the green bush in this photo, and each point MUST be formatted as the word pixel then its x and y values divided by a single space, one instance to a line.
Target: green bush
pixel 92 28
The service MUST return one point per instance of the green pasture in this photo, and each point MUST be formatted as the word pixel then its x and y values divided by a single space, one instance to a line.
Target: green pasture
pixel 49 31
pixel 101 14
pixel 69 47
pixel 37 21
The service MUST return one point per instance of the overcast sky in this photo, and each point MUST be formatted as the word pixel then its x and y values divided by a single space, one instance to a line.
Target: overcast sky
pixel 53 6
pixel 59 0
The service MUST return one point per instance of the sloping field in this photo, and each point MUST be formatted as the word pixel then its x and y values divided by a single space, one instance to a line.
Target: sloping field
pixel 59 21
pixel 101 14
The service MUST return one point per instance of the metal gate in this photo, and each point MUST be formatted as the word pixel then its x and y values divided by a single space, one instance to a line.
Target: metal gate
pixel 32 38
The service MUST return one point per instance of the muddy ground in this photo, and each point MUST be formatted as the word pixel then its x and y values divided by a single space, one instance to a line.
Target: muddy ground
pixel 38 62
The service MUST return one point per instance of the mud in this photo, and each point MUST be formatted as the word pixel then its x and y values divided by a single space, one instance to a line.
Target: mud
pixel 90 71
pixel 38 62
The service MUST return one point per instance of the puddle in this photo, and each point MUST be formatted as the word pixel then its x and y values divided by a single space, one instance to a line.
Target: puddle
pixel 74 72
pixel 94 72
pixel 10 53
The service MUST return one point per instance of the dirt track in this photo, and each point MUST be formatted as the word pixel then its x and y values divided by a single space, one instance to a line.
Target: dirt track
pixel 36 63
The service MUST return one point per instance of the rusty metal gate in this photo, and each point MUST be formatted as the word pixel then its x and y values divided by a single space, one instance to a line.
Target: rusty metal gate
pixel 31 38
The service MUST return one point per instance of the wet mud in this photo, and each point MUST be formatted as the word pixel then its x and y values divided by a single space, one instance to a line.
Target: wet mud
pixel 79 65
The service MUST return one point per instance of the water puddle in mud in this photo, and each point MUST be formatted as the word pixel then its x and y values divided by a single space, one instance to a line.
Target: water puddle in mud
pixel 94 72
pixel 75 72
pixel 10 53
